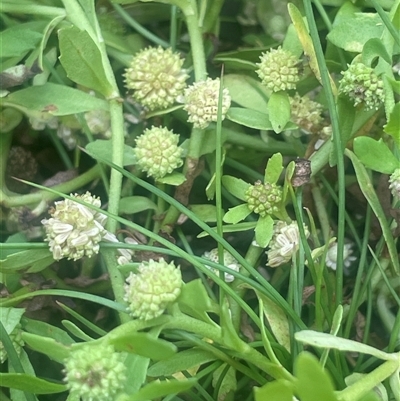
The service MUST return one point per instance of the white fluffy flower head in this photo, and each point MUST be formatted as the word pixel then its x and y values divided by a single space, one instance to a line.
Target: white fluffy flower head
pixel 331 256
pixel 75 230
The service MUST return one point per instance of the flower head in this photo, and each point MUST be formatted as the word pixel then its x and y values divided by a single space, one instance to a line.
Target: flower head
pixel 75 230
pixel 229 261
pixel 156 77
pixel 362 85
pixel 394 181
pixel 201 102
pixel 95 372
pixel 284 243
pixel 17 342
pixel 278 70
pixel 264 198
pixel 157 152
pixel 149 292
pixel 99 122
pixel 331 256
pixel 306 113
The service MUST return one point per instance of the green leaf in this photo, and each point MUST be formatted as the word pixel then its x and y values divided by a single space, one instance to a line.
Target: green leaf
pixel 136 372
pixel 17 40
pixel 10 317
pixel 57 100
pixel 24 259
pixel 264 230
pixel 199 305
pixel 48 346
pixel 392 128
pixel 32 384
pixel 281 390
pixel 43 329
pixel 249 118
pixel 247 92
pixel 185 360
pixel 274 169
pixel 232 228
pixel 372 49
pixel 228 382
pixel 206 213
pixel 135 204
pixel 367 189
pixel 174 178
pixel 279 111
pixel 235 186
pixel 144 344
pixel 236 214
pixel 76 331
pixel 375 155
pixel 103 149
pixel 352 28
pixel 158 389
pixel 324 340
pixel 313 383
pixel 82 61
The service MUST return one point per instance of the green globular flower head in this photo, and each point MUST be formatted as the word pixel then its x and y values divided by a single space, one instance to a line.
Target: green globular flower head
pixel 394 181
pixel 201 102
pixel 156 77
pixel 361 84
pixel 156 284
pixel 75 230
pixel 278 70
pixel 157 152
pixel 95 372
pixel 306 113
pixel 264 198
pixel 17 342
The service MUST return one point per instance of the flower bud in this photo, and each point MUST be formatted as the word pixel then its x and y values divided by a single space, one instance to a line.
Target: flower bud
pixel 156 77
pixel 278 70
pixel 362 85
pixel 306 113
pixel 95 372
pixel 201 102
pixel 284 243
pixel 229 261
pixel 149 292
pixel 157 152
pixel 75 230
pixel 263 198
pixel 394 181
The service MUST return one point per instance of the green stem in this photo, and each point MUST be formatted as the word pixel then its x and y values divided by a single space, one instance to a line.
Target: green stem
pixel 15 8
pixel 5 144
pixel 212 15
pixel 369 381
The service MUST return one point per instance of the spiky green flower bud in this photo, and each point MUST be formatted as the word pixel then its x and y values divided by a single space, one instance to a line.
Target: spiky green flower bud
pixel 95 372
pixel 229 261
pixel 284 243
pixel 17 342
pixel 263 198
pixel 155 285
pixel 157 152
pixel 278 70
pixel 75 230
pixel 201 102
pixel 394 181
pixel 306 113
pixel 156 77
pixel 362 85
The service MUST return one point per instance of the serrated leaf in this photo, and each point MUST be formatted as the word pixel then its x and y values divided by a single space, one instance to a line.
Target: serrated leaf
pixel 236 186
pixel 31 384
pixel 279 111
pixel 264 230
pixel 181 361
pixel 82 61
pixel 372 153
pixel 57 100
pixel 236 214
pixel 144 344
pixel 324 340
pixel 135 204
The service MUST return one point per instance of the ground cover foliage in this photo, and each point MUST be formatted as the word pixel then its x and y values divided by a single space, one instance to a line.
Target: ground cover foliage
pixel 200 200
